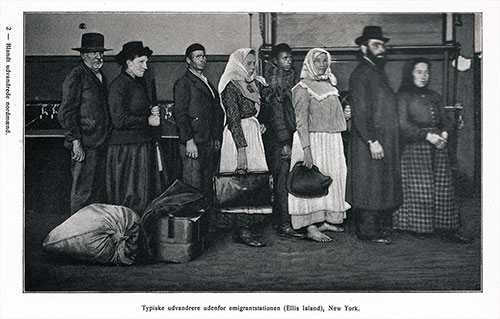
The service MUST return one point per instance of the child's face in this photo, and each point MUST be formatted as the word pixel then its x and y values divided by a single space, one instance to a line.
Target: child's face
pixel 284 60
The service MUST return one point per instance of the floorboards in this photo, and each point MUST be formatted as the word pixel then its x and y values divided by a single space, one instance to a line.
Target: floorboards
pixel 344 265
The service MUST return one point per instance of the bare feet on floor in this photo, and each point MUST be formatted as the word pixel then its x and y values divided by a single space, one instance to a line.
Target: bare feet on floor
pixel 314 234
pixel 331 227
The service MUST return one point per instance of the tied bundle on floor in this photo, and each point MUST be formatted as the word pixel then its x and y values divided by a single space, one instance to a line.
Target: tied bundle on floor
pixel 99 233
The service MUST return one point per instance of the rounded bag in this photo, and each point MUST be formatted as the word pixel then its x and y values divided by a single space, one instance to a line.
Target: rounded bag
pixel 307 183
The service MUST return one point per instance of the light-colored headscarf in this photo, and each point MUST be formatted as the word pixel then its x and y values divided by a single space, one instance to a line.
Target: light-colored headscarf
pixel 309 70
pixel 236 72
pixel 311 76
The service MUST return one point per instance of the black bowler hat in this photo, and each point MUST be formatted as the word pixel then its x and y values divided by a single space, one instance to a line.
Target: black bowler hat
pixel 92 42
pixel 130 50
pixel 307 183
pixel 371 32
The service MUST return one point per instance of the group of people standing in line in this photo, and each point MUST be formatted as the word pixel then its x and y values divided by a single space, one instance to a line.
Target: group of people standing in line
pixel 397 174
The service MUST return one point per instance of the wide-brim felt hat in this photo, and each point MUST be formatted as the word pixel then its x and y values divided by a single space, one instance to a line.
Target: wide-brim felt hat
pixel 307 183
pixel 131 50
pixel 92 42
pixel 371 32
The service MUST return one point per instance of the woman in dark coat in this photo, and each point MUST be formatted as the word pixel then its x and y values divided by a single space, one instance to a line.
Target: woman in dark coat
pixel 132 176
pixel 428 194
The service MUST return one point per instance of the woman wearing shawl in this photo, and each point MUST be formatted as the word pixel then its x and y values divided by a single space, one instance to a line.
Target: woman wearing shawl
pixel 428 193
pixel 242 148
pixel 318 141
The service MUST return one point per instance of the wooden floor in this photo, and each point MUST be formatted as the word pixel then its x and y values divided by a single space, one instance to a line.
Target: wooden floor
pixel 346 264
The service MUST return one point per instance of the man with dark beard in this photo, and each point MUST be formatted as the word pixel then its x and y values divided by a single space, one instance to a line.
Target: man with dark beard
pixel 84 116
pixel 373 180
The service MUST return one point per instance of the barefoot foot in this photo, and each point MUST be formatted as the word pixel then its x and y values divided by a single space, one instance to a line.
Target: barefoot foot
pixel 314 234
pixel 331 227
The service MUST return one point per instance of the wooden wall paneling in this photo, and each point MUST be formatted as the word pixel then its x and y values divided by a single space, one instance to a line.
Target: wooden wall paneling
pixel 340 29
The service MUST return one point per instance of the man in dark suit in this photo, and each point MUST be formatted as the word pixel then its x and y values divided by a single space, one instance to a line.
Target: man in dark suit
pixel 373 179
pixel 199 117
pixel 83 115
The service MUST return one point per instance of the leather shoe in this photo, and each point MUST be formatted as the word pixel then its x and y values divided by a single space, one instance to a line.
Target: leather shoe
pixel 386 232
pixel 288 231
pixel 246 238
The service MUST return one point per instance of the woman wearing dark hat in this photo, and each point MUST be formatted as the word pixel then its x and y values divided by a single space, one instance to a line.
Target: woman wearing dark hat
pixel 318 141
pixel 428 194
pixel 132 177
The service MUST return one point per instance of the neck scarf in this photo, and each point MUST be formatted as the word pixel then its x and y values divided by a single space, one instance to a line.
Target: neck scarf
pixel 278 79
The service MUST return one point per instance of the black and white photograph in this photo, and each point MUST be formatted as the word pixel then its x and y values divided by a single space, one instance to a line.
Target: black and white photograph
pixel 243 161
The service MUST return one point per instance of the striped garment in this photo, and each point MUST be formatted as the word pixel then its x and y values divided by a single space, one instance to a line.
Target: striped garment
pixel 428 193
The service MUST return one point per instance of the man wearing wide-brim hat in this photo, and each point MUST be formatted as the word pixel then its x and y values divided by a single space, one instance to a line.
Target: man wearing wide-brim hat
pixel 84 116
pixel 373 179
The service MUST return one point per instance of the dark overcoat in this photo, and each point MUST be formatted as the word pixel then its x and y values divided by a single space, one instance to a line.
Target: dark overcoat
pixel 84 113
pixel 373 184
pixel 198 114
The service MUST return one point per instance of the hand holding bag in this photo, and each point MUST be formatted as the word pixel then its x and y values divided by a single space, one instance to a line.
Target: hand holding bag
pixel 307 183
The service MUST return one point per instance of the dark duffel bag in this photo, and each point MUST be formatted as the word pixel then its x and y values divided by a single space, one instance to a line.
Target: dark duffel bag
pixel 234 191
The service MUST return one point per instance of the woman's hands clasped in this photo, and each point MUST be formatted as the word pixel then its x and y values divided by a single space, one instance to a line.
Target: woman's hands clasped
pixel 439 141
pixel 154 118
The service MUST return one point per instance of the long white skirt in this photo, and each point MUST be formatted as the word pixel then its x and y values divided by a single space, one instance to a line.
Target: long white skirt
pixel 256 158
pixel 328 155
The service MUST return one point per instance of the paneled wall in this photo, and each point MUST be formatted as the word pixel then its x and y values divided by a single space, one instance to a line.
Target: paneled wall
pixel 165 33
pixel 44 75
pixel 340 29
pixel 49 38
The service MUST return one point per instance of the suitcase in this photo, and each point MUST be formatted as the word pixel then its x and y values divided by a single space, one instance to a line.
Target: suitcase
pixel 243 193
pixel 181 236
pixel 185 227
pixel 174 226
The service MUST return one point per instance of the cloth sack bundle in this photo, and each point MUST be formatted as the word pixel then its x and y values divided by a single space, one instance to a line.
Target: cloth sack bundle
pixel 100 233
pixel 307 183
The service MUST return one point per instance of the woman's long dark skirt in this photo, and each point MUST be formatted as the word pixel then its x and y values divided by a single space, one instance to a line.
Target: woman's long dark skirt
pixel 428 192
pixel 132 176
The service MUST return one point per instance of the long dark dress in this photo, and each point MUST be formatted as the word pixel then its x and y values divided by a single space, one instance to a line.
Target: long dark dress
pixel 428 193
pixel 132 174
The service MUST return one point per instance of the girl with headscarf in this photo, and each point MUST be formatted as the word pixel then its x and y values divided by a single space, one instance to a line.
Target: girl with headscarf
pixel 242 149
pixel 428 194
pixel 318 141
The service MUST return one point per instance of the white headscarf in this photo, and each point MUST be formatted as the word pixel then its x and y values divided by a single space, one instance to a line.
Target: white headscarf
pixel 309 70
pixel 236 72
pixel 313 82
